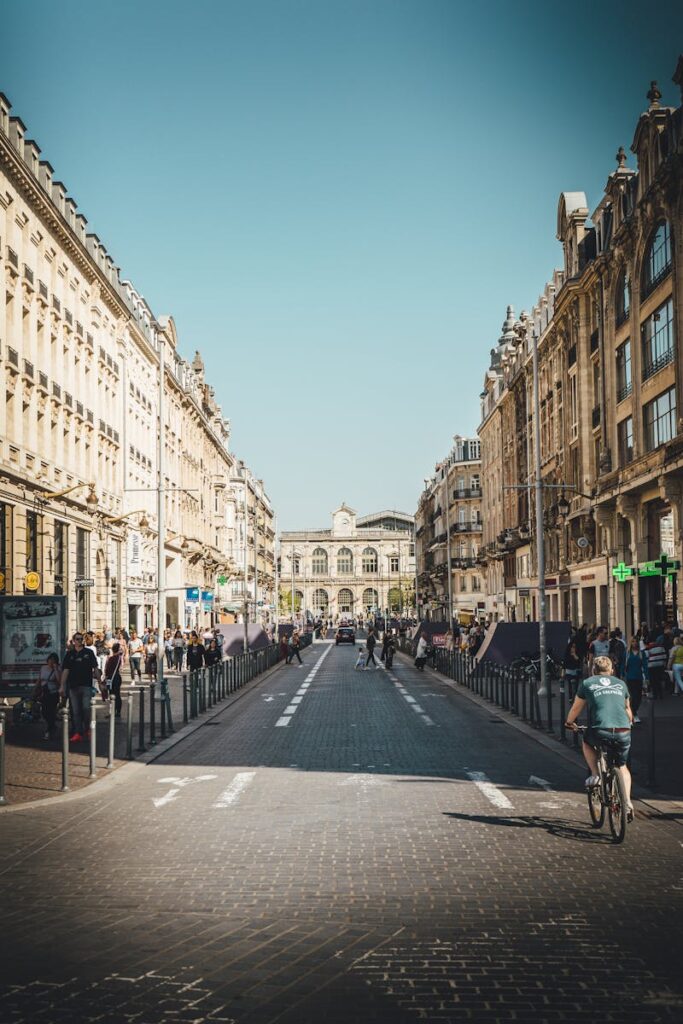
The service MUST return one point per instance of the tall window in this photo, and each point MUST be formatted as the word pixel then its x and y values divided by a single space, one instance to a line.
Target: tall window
pixel 321 601
pixel 623 297
pixel 369 560
pixel 625 438
pixel 31 542
pixel 574 406
pixel 319 562
pixel 658 261
pixel 370 599
pixel 345 601
pixel 624 371
pixel 657 336
pixel 659 420
pixel 82 569
pixel 393 563
pixel 344 562
pixel 59 566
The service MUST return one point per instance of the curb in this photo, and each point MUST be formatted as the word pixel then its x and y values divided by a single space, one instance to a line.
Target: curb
pixel 118 775
pixel 652 801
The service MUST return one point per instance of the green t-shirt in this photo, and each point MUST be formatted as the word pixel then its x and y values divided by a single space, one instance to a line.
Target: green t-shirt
pixel 606 698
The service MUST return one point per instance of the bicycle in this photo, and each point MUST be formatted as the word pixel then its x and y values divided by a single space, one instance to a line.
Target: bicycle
pixel 609 795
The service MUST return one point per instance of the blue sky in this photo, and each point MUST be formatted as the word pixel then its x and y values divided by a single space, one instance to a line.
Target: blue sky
pixel 336 199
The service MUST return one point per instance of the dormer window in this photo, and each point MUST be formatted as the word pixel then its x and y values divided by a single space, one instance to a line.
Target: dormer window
pixel 658 259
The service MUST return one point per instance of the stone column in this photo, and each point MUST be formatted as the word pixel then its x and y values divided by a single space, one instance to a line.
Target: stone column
pixel 628 508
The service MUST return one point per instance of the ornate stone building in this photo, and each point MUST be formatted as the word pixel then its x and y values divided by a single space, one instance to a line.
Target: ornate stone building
pixel 448 534
pixel 361 565
pixel 80 368
pixel 609 330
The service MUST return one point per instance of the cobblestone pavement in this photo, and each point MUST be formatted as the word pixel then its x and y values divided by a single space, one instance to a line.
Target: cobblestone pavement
pixel 340 846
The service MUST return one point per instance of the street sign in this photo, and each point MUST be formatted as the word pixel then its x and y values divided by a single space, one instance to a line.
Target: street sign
pixel 192 594
pixel 84 581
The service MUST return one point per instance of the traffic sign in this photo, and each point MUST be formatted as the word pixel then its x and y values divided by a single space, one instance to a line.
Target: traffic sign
pixel 84 581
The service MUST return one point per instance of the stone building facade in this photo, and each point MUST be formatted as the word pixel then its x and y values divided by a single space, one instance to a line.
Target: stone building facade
pixel 448 536
pixel 609 331
pixel 362 565
pixel 80 367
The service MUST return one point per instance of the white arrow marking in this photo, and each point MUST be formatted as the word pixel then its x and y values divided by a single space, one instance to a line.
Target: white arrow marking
pixel 179 783
pixel 267 700
pixel 543 783
pixel 166 799
pixel 235 789
pixel 491 792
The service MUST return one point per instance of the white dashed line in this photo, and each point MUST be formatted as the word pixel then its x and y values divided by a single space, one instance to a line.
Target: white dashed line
pixel 286 717
pixel 491 792
pixel 235 789
pixel 411 701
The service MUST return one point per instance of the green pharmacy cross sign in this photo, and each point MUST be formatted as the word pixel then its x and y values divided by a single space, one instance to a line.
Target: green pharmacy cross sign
pixel 623 572
pixel 222 580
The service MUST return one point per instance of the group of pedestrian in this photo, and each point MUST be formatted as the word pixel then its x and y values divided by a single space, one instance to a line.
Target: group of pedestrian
pixel 650 665
pixel 366 654
pixel 94 661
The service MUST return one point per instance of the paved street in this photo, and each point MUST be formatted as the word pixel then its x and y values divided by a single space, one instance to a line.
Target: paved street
pixel 340 846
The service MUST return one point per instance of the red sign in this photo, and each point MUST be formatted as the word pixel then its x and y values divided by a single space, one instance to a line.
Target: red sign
pixel 439 640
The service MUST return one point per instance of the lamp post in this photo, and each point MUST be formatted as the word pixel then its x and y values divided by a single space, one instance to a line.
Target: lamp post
pixel 91 499
pixel 540 546
pixel 448 555
pixel 245 643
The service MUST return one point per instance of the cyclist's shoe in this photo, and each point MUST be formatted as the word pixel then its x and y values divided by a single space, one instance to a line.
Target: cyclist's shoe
pixel 629 812
pixel 592 780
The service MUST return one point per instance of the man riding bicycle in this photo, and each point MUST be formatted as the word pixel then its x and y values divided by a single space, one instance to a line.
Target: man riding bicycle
pixel 609 722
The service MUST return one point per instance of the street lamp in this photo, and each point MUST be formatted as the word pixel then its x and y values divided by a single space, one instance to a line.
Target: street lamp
pixel 91 498
pixel 143 522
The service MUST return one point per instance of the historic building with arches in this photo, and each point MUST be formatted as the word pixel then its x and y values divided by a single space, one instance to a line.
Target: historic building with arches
pixel 362 565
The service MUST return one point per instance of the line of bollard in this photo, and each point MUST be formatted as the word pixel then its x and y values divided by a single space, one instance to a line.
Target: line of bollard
pixel 64 715
pixel 141 720
pixel 112 733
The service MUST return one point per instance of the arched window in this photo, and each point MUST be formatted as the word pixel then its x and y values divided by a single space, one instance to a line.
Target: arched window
pixel 345 601
pixel 658 259
pixel 623 297
pixel 319 562
pixel 370 599
pixel 344 562
pixel 369 560
pixel 394 599
pixel 321 602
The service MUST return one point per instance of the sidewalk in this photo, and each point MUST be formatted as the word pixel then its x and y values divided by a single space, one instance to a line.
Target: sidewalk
pixel 33 766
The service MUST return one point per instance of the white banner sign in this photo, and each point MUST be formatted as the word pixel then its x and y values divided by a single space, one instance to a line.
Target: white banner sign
pixel 134 554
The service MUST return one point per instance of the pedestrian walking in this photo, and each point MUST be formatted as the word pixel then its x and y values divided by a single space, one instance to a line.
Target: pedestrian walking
pixel 212 655
pixel 370 644
pixel 135 653
pixel 113 677
pixel 284 648
pixel 656 662
pixel 168 649
pixel 675 665
pixel 48 693
pixel 294 645
pixel 360 660
pixel 572 669
pixel 635 674
pixel 151 649
pixel 421 653
pixel 196 654
pixel 178 650
pixel 617 652
pixel 79 671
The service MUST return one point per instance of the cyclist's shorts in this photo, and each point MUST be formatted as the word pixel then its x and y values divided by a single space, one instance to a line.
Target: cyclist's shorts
pixel 617 743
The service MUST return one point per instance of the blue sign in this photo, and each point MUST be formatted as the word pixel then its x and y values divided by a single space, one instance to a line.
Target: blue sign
pixel 192 593
pixel 207 595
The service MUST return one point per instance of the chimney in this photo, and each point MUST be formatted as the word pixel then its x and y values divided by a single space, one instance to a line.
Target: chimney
pixel 58 195
pixel 17 134
pixel 45 172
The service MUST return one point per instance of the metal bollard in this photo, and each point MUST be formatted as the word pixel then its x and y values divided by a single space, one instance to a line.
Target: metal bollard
pixel 185 715
pixel 93 739
pixel 141 721
pixel 152 715
pixel 112 732
pixel 64 715
pixel 162 711
pixel 3 721
pixel 129 727
pixel 563 731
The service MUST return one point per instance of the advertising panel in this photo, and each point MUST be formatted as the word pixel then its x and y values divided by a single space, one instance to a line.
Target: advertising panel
pixel 31 627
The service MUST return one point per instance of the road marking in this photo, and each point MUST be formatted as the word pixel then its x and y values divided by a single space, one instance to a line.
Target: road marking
pixel 364 782
pixel 491 792
pixel 235 789
pixel 286 717
pixel 534 780
pixel 178 783
pixel 427 720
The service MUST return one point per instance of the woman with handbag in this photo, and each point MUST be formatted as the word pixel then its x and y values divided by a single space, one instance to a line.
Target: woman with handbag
pixel 112 675
pixel 48 694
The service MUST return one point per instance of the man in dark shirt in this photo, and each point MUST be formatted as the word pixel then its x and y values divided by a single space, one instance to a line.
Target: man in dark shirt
pixel 79 670
pixel 196 653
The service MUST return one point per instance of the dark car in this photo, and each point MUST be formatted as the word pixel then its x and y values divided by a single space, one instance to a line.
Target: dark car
pixel 345 635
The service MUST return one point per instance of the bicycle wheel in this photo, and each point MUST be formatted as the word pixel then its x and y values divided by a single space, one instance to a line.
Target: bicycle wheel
pixel 616 806
pixel 596 807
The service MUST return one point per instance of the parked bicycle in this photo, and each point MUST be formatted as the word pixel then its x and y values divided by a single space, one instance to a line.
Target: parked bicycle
pixel 530 666
pixel 608 795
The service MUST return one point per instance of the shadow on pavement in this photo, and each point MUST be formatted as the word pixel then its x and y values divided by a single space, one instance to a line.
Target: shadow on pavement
pixel 559 827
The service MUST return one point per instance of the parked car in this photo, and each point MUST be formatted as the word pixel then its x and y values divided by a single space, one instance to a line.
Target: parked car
pixel 345 635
